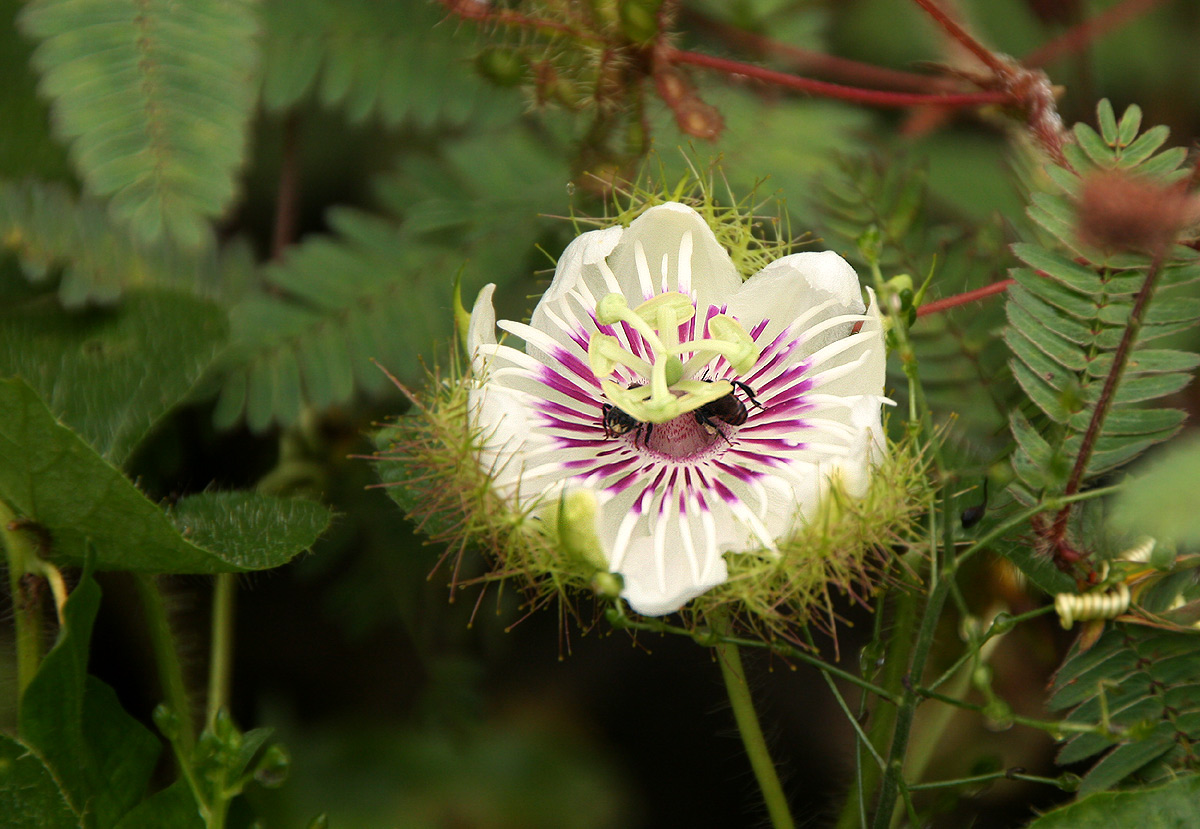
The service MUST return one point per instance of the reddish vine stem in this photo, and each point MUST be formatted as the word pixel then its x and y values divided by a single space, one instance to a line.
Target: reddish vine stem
pixel 840 69
pixel 1058 532
pixel 288 196
pixel 873 97
pixel 1078 37
pixel 962 299
pixel 986 56
pixel 480 12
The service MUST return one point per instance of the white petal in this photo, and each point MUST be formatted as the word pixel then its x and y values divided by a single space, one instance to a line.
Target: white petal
pixel 577 267
pixel 647 595
pixel 482 329
pixel 868 378
pixel 661 230
pixel 789 287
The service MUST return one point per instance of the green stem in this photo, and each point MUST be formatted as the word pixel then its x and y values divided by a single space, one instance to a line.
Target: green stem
pixel 166 658
pixel 730 661
pixel 893 776
pixel 27 617
pixel 220 662
pixel 883 718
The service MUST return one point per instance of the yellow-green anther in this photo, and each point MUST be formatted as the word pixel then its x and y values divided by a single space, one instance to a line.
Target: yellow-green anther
pixel 613 309
pixel 728 337
pixel 665 313
pixel 605 354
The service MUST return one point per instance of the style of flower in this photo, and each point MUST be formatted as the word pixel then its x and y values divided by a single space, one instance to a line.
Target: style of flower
pixel 707 415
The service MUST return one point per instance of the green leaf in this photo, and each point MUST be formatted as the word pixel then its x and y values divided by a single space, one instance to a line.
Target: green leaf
pixel 50 476
pixel 156 99
pixel 394 61
pixel 1095 147
pixel 1162 500
pixel 1131 122
pixel 1144 146
pixel 250 530
pixel 172 808
pixel 101 756
pixel 1107 121
pixel 53 232
pixel 29 795
pixel 1172 806
pixel 112 375
pixel 1059 268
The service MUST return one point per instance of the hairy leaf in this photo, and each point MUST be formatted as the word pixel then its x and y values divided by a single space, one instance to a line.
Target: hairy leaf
pixel 50 476
pixel 156 98
pixel 111 375
pixel 29 795
pixel 1172 806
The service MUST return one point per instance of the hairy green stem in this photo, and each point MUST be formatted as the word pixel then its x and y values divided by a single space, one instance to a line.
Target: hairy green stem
pixel 166 658
pixel 730 661
pixel 27 617
pixel 220 661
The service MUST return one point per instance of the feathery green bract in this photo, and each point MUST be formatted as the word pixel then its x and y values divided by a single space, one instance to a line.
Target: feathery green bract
pixel 1146 682
pixel 1069 310
pixel 155 97
pixel 394 60
pixel 52 232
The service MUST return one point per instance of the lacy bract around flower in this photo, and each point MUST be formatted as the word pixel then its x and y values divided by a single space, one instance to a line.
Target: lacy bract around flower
pixel 708 415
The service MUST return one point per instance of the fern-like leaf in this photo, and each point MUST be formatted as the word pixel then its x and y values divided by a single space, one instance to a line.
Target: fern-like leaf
pixel 1070 309
pixel 395 61
pixel 1143 686
pixel 52 233
pixel 155 98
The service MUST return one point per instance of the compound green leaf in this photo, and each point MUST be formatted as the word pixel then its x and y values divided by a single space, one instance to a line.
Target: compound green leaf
pixel 156 98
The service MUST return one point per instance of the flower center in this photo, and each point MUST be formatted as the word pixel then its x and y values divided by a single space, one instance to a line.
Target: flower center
pixel 683 438
pixel 671 393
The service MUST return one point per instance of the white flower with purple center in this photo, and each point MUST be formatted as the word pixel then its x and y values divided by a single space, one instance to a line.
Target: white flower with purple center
pixel 707 415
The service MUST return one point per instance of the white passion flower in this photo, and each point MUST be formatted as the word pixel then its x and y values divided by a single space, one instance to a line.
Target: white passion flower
pixel 707 415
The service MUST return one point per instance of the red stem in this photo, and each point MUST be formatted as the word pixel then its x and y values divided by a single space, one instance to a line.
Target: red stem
pixel 807 60
pixel 1078 37
pixel 985 55
pixel 962 299
pixel 872 97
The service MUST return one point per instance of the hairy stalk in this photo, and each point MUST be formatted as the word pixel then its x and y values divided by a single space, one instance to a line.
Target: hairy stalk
pixel 26 599
pixel 220 661
pixel 755 744
pixel 166 658
pixel 1095 425
pixel 946 303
